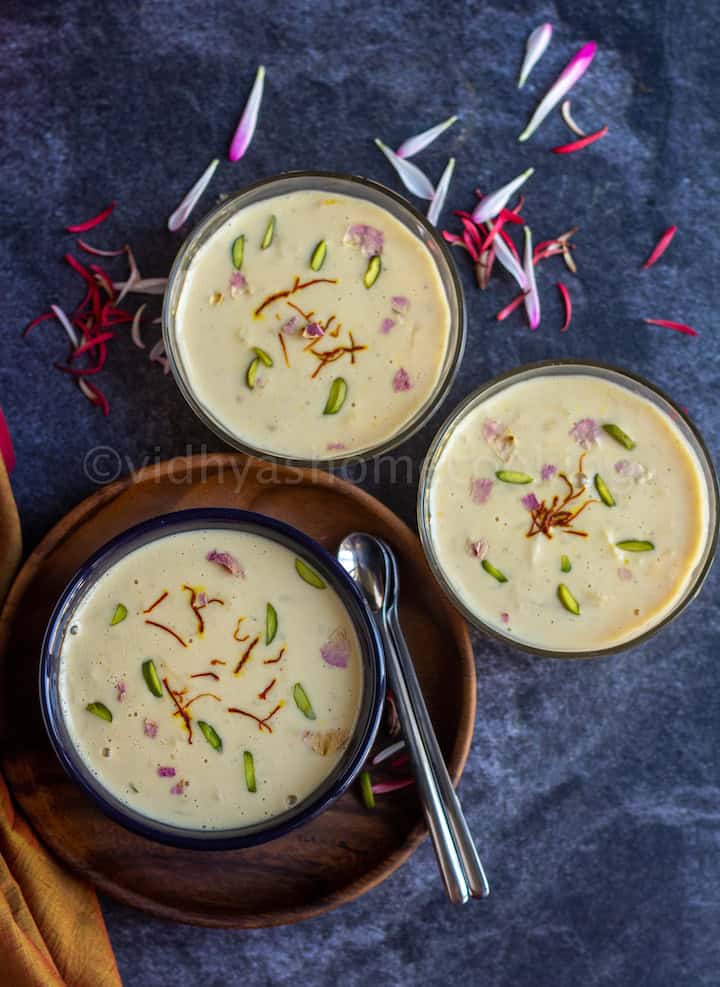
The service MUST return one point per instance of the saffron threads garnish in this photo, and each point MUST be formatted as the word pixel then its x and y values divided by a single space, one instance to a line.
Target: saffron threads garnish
pixel 504 312
pixel 297 286
pixel 276 659
pixel 180 709
pixel 206 675
pixel 200 695
pixel 573 71
pixel 168 630
pixel 195 609
pixel 246 655
pixel 490 205
pixel 156 603
pixel 248 121
pixel 236 632
pixel 187 205
pixel 337 353
pixel 218 661
pixel 660 247
pixel 535 48
pixel 578 145
pixel 568 119
pixel 557 514
pixel 268 687
pixel 414 180
pixel 283 347
pixel 565 294
pixel 532 299
pixel 440 194
pixel 264 722
pixel 677 326
pixel 413 145
pixel 91 223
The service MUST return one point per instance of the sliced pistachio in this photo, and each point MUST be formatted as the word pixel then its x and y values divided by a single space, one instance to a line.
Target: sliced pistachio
pixel 152 679
pixel 635 545
pixel 268 234
pixel 309 575
pixel 366 791
pixel 238 252
pixel 271 623
pixel 251 373
pixel 513 476
pixel 565 563
pixel 101 710
pixel 615 432
pixel 336 397
pixel 493 571
pixel 318 256
pixel 119 614
pixel 263 356
pixel 211 735
pixel 603 493
pixel 249 766
pixel 568 600
pixel 302 702
pixel 373 271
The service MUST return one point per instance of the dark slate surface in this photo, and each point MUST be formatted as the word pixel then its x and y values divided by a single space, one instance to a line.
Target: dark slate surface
pixel 593 787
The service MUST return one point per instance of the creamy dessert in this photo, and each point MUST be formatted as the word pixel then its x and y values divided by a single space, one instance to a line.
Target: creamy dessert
pixel 312 325
pixel 568 512
pixel 211 679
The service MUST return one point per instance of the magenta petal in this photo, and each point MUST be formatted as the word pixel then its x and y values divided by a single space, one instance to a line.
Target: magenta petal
pixel 399 304
pixel 150 728
pixel 585 432
pixel 387 325
pixel 166 772
pixel 370 240
pixel 292 325
pixel 532 299
pixel 336 650
pixel 401 380
pixel 227 561
pixel 530 502
pixel 574 70
pixel 548 471
pixel 246 127
pixel 478 549
pixel 480 489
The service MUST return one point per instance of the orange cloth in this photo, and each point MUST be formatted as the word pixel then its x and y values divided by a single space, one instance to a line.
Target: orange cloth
pixel 52 932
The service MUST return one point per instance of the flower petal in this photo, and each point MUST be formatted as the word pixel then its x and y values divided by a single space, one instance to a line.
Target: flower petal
pixel 568 305
pixel 413 179
pixel 246 127
pixel 490 205
pixel 90 224
pixel 677 326
pixel 574 70
pixel 510 262
pixel 438 200
pixel 568 119
pixel 532 299
pixel 190 201
pixel 578 145
pixel 660 247
pixel 413 145
pixel 534 50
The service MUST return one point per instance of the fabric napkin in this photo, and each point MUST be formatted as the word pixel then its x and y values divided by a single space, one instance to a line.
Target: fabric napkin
pixel 52 932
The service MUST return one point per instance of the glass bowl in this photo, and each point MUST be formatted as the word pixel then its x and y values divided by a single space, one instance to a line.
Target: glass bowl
pixel 355 187
pixel 358 746
pixel 637 385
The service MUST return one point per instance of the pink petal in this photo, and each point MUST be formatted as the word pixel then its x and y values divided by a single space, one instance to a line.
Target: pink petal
pixel 491 429
pixel 624 574
pixel 401 380
pixel 480 489
pixel 7 452
pixel 534 50
pixel 179 788
pixel 585 432
pixel 313 330
pixel 121 690
pixel 201 600
pixel 335 446
pixel 383 787
pixel 413 145
pixel 660 247
pixel 238 283
pixel 574 70
pixel 387 325
pixel 567 303
pixel 505 617
pixel 548 471
pixel 532 299
pixel 369 239
pixel 438 200
pixel 624 467
pixel 191 199
pixel 490 205
pixel 292 325
pixel 150 728
pixel 226 560
pixel 400 304
pixel 677 326
pixel 510 262
pixel 89 224
pixel 413 179
pixel 165 772
pixel 336 650
pixel 246 127
pixel 530 502
pixel 478 549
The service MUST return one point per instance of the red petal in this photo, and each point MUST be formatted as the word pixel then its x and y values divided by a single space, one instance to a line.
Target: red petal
pixel 504 312
pixel 677 326
pixel 92 222
pixel 91 343
pixel 36 322
pixel 568 305
pixel 95 396
pixel 580 144
pixel 7 453
pixel 660 247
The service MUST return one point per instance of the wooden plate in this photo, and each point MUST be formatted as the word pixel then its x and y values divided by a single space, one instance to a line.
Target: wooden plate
pixel 335 858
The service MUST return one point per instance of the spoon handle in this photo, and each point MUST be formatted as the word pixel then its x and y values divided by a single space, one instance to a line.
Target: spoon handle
pixel 462 837
pixel 451 867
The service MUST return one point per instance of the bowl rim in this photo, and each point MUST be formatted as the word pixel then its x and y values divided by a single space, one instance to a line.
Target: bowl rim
pixel 701 451
pixel 422 416
pixel 374 682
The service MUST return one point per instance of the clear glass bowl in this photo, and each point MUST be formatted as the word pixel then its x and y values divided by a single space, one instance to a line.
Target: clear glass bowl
pixel 639 386
pixel 357 749
pixel 330 182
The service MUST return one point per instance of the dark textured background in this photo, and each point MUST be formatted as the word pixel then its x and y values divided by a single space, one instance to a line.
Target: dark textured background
pixel 592 787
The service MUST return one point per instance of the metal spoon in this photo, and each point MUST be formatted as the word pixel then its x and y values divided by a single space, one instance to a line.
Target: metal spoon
pixel 464 843
pixel 364 559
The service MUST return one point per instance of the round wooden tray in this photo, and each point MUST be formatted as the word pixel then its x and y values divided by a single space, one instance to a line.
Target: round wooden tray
pixel 335 858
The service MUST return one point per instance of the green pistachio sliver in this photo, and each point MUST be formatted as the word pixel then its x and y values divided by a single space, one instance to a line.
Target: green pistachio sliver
pixel 211 735
pixel 373 271
pixel 302 702
pixel 603 492
pixel 513 476
pixel 152 679
pixel 119 614
pixel 100 710
pixel 249 767
pixel 251 373
pixel 318 256
pixel 494 572
pixel 565 563
pixel 336 397
pixel 271 623
pixel 635 545
pixel 309 575
pixel 615 432
pixel 268 234
pixel 366 791
pixel 568 600
pixel 263 356
pixel 238 252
